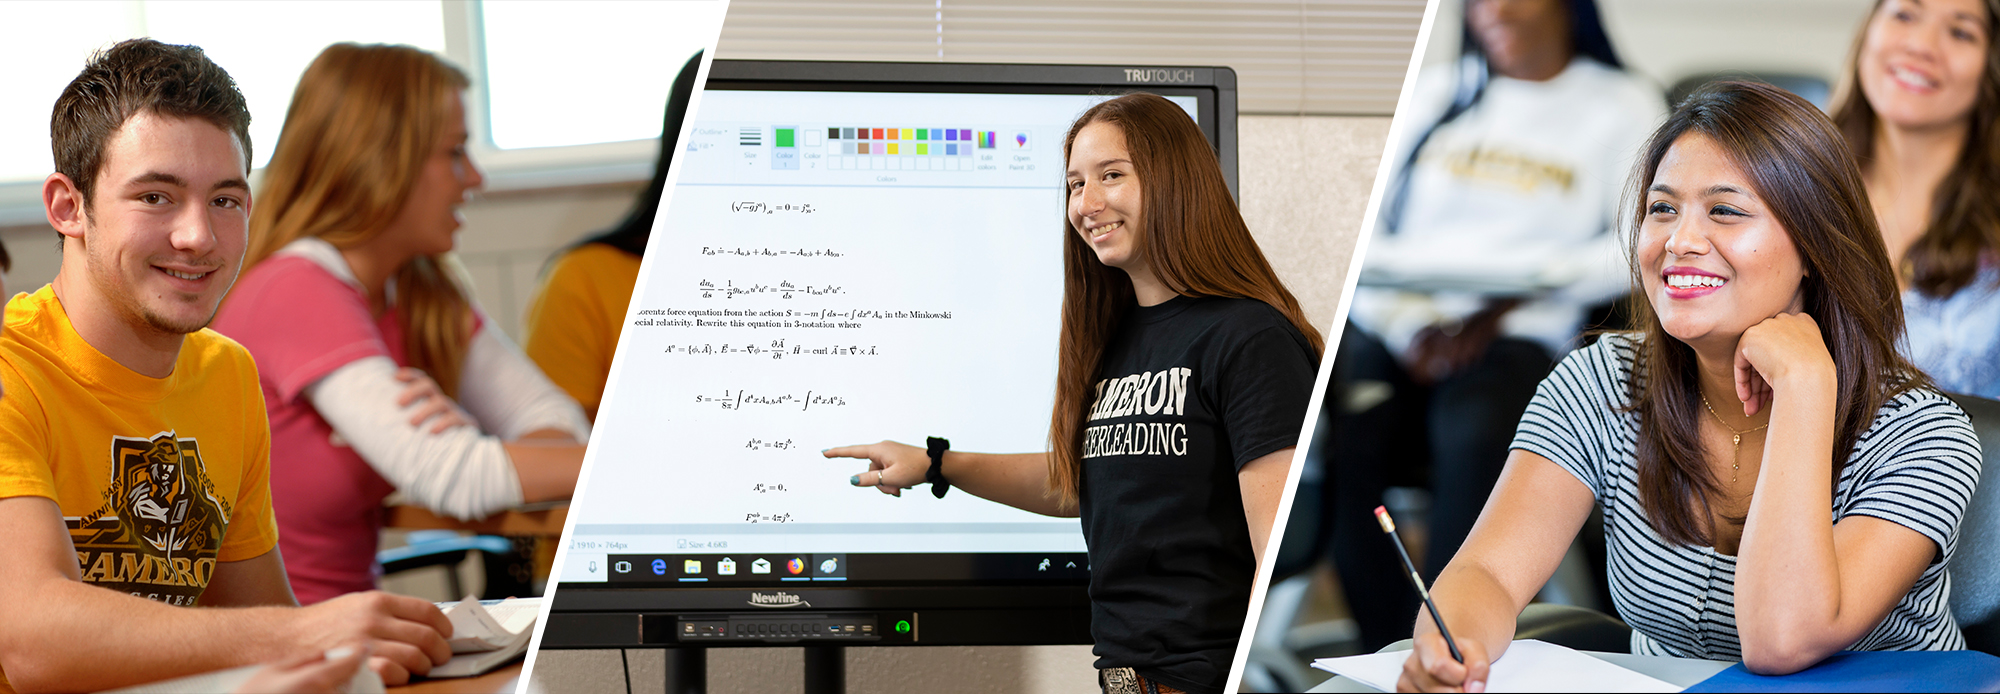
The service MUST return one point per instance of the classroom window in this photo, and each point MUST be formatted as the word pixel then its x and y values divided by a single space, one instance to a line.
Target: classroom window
pixel 586 72
pixel 264 46
pixel 563 93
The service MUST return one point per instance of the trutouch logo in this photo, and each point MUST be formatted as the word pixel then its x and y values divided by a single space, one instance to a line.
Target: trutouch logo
pixel 778 599
pixel 1158 75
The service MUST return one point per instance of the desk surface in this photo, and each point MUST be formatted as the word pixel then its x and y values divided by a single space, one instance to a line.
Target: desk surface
pixel 546 522
pixel 1683 672
pixel 502 681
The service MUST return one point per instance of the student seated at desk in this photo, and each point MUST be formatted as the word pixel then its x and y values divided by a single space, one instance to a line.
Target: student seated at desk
pixel 1537 115
pixel 1770 315
pixel 134 451
pixel 352 297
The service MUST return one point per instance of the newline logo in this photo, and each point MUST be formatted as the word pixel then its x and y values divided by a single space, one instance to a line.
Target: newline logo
pixel 778 599
pixel 1158 75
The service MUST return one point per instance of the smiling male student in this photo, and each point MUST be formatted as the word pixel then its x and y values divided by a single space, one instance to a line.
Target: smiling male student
pixel 134 449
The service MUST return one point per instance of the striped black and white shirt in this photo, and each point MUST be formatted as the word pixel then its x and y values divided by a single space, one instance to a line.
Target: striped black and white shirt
pixel 1915 466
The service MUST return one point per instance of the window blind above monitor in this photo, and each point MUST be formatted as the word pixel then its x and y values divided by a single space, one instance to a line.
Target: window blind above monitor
pixel 1320 57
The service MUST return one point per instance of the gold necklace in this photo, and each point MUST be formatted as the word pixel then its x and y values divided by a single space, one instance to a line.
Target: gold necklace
pixel 1735 439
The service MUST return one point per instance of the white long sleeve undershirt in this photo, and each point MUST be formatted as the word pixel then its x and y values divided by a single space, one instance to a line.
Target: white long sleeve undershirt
pixel 462 472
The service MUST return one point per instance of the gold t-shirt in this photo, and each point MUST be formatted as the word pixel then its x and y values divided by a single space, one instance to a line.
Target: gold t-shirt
pixel 157 478
pixel 574 322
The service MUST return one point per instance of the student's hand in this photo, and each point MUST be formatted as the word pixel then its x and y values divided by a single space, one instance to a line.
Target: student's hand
pixel 430 401
pixel 1431 668
pixel 892 467
pixel 315 673
pixel 409 635
pixel 1783 353
pixel 1442 350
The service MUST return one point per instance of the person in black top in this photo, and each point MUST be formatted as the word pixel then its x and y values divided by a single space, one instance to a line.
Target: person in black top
pixel 1185 371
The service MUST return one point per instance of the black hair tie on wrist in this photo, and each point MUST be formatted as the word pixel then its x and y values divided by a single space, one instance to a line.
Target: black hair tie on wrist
pixel 935 475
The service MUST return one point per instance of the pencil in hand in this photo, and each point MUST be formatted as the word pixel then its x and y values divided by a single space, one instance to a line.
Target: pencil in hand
pixel 1389 527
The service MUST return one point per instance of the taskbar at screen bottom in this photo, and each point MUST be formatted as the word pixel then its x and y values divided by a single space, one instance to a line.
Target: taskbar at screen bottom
pixel 777 569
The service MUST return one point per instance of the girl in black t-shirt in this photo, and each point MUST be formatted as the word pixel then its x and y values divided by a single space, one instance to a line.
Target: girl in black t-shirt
pixel 1185 369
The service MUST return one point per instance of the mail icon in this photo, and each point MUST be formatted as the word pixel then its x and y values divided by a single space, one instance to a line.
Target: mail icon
pixel 761 566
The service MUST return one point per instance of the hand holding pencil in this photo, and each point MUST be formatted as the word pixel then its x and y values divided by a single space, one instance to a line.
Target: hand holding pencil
pixel 1438 663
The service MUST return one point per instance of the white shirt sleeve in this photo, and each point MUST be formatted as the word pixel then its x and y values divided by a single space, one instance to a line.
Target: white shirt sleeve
pixel 461 472
pixel 510 396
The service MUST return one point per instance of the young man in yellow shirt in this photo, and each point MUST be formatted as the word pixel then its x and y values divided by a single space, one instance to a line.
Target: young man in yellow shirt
pixel 134 448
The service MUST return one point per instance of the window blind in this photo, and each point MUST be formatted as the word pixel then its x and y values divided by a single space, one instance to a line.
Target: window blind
pixel 1320 57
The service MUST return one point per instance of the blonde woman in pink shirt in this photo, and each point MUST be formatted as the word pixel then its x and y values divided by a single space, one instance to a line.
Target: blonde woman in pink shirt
pixel 380 374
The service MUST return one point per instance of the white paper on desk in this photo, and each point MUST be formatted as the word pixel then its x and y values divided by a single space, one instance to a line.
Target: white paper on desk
pixel 476 628
pixel 485 636
pixel 1528 666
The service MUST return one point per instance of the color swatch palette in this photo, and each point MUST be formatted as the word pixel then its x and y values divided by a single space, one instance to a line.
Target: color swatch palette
pixel 872 141
pixel 938 149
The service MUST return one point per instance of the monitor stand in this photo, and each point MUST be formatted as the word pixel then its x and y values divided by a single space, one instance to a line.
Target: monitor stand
pixel 825 671
pixel 687 671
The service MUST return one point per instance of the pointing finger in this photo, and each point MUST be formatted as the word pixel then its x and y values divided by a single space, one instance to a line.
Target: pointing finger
pixel 847 452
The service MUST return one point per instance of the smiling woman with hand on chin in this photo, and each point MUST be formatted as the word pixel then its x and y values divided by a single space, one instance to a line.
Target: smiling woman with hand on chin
pixel 1184 372
pixel 1761 391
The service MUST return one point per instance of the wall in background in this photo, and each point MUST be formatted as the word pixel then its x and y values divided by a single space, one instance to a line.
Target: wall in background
pixel 1669 41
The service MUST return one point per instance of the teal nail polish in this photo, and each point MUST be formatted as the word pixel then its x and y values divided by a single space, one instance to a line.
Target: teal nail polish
pixel 855 480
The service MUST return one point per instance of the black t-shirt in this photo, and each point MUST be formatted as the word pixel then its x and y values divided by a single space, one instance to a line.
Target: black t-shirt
pixel 1187 393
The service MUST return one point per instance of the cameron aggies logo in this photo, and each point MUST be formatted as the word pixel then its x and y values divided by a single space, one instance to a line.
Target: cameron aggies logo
pixel 161 524
pixel 778 599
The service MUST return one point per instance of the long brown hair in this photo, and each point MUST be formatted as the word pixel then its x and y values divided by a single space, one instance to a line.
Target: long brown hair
pixel 1799 166
pixel 1193 238
pixel 1965 215
pixel 361 124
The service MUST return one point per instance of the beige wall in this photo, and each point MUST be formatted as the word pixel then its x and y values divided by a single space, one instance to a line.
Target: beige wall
pixel 1305 184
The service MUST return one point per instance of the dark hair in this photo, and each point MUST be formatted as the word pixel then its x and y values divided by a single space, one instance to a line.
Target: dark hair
pixel 1965 216
pixel 1192 237
pixel 135 76
pixel 1586 37
pixel 1800 167
pixel 631 234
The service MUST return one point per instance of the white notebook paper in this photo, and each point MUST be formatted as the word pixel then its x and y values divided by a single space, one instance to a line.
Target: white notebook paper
pixel 1528 666
pixel 484 637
